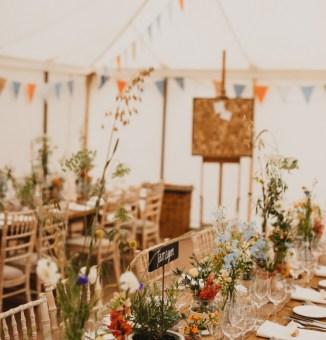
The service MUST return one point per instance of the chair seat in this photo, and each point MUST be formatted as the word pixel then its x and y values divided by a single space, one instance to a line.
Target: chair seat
pixel 11 273
pixel 82 241
pixel 22 262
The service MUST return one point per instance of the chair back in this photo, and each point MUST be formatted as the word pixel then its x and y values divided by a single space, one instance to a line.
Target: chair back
pixel 139 265
pixel 203 242
pixel 51 235
pixel 28 321
pixel 153 205
pixel 18 240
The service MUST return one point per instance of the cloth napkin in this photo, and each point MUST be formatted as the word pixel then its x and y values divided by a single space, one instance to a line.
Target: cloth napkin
pixel 308 294
pixel 320 271
pixel 272 330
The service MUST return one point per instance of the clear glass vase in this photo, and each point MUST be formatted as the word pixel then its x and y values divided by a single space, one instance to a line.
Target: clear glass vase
pixel 203 306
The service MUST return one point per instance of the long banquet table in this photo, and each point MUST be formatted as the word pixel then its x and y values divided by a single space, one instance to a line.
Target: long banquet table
pixel 282 313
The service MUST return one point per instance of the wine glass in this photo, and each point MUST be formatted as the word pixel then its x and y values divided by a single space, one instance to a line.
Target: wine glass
pixel 249 319
pixel 277 291
pixel 231 321
pixel 260 287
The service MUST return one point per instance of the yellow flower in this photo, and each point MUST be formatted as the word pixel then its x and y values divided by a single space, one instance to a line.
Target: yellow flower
pixel 193 272
pixel 99 233
pixel 132 244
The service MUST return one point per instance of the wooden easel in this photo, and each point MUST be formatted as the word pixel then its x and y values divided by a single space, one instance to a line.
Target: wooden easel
pixel 221 162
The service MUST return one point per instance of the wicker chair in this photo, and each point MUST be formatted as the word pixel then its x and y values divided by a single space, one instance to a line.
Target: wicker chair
pixel 23 323
pixel 203 242
pixel 17 244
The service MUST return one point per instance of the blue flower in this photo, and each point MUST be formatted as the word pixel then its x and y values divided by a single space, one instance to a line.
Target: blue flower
pixel 258 249
pixel 224 237
pixel 230 259
pixel 82 280
pixel 141 286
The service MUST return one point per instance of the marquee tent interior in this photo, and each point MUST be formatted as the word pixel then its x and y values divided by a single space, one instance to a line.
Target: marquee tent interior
pixel 274 44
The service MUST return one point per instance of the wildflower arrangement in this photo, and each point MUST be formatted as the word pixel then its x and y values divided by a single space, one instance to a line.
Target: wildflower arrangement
pixel 308 218
pixel 152 314
pixel 200 279
pixel 279 235
pixel 120 306
pixel 195 323
pixel 232 258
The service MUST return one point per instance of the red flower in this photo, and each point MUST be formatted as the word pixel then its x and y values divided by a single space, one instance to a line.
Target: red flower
pixel 318 227
pixel 119 325
pixel 210 289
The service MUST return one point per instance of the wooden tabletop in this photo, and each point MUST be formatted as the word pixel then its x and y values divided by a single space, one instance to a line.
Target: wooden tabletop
pixel 283 312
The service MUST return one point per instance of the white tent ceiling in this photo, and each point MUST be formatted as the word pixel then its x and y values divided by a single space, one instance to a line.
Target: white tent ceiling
pixel 89 34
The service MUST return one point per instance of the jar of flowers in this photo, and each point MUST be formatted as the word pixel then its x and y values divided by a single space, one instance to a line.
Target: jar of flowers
pixel 202 282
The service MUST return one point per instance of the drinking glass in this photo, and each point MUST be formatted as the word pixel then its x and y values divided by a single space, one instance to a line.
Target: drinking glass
pixel 231 321
pixel 260 287
pixel 249 319
pixel 277 291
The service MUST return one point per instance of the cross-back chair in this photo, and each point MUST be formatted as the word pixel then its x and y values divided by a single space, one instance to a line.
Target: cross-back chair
pixel 17 244
pixel 27 321
pixel 148 226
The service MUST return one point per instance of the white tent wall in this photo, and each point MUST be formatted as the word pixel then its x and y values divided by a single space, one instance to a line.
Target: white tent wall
pixel 21 121
pixel 298 129
pixel 65 118
pixel 139 142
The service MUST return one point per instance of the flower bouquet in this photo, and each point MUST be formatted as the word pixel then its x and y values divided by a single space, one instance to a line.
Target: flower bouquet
pixel 202 281
pixel 308 218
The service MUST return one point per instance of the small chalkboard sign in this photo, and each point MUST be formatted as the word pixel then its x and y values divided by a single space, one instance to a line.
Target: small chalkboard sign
pixel 163 255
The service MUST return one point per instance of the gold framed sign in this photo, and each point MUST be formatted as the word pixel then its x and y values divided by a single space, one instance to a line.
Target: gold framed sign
pixel 222 128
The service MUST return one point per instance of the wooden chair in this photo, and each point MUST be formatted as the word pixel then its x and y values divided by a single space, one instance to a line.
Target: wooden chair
pixel 103 249
pixel 148 226
pixel 51 239
pixel 23 322
pixel 17 244
pixel 203 242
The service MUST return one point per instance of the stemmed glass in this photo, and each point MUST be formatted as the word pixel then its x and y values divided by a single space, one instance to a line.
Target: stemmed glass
pixel 232 321
pixel 249 319
pixel 260 288
pixel 277 291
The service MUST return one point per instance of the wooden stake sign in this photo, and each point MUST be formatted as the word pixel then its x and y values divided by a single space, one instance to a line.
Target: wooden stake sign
pixel 161 256
pixel 158 258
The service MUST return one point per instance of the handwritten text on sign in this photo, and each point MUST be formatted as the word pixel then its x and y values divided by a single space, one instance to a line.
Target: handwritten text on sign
pixel 160 256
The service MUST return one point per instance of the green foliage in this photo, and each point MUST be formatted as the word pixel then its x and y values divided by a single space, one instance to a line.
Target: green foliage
pixel 80 163
pixel 121 170
pixel 273 189
pixel 25 191
pixel 44 151
pixel 151 316
pixel 74 307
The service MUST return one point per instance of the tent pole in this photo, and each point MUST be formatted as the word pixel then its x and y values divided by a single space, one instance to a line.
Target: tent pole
pixel 165 100
pixel 88 87
pixel 251 169
pixel 45 106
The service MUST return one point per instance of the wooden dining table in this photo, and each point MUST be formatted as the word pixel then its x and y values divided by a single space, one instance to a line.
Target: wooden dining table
pixel 283 312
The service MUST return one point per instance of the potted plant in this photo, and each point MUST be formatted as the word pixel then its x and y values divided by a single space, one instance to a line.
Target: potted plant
pixel 154 315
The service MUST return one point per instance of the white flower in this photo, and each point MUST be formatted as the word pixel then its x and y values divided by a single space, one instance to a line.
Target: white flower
pixel 128 281
pixel 47 271
pixel 201 284
pixel 193 272
pixel 92 275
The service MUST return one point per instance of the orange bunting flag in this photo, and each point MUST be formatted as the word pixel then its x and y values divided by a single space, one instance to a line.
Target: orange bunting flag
pixel 181 4
pixel 30 88
pixel 118 61
pixel 121 84
pixel 218 87
pixel 2 84
pixel 260 92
